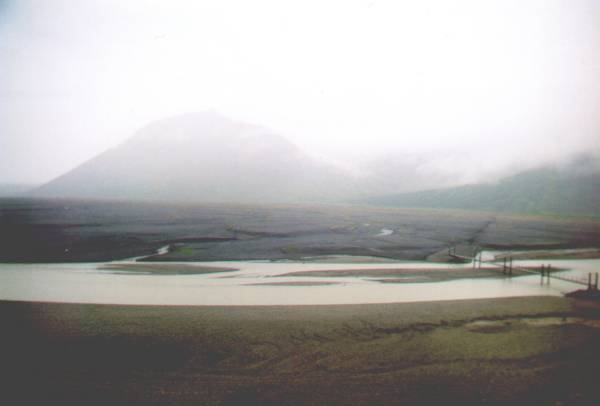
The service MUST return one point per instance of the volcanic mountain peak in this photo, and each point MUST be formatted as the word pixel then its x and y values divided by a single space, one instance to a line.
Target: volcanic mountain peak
pixel 204 157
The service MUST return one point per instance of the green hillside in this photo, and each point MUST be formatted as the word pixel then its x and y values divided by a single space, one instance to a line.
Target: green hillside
pixel 540 191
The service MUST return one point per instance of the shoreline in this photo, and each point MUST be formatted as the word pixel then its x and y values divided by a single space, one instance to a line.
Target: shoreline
pixel 516 251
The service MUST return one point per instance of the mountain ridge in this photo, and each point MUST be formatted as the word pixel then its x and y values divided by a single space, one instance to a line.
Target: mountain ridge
pixel 206 157
pixel 546 190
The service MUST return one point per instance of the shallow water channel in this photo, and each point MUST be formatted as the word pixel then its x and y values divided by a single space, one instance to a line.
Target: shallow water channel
pixel 256 283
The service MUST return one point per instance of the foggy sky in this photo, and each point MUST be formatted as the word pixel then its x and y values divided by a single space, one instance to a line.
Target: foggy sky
pixel 507 82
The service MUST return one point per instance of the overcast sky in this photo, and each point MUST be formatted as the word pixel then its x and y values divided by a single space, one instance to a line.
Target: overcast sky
pixel 512 80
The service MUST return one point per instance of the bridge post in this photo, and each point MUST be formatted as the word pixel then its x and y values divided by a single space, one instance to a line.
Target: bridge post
pixel 590 281
pixel 542 274
pixel 596 281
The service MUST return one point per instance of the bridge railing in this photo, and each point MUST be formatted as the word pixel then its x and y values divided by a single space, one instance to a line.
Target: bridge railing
pixel 545 270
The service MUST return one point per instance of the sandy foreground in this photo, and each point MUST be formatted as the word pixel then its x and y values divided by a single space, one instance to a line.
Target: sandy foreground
pixel 536 350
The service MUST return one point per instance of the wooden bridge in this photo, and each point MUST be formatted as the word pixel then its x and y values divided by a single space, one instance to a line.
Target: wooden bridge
pixel 545 271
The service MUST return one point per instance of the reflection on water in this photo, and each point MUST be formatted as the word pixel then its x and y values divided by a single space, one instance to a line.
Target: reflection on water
pixel 384 232
pixel 85 283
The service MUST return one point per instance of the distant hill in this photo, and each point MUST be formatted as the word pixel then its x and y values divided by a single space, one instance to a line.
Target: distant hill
pixel 574 190
pixel 204 157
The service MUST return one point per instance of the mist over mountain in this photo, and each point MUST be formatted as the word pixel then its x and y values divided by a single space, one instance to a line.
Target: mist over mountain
pixel 205 157
pixel 571 188
pixel 401 172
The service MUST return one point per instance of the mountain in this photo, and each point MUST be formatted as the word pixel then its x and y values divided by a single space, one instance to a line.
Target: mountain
pixel 204 157
pixel 397 171
pixel 571 190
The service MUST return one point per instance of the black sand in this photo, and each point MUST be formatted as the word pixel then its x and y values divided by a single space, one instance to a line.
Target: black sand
pixel 67 230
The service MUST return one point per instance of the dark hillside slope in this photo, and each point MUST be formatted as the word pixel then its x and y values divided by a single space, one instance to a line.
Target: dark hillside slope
pixel 540 191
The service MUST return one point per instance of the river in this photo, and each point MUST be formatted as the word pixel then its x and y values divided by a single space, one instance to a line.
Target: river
pixel 87 283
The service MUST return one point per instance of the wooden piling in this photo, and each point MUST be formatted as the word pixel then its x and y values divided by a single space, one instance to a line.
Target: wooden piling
pixel 590 281
pixel 596 281
pixel 542 275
